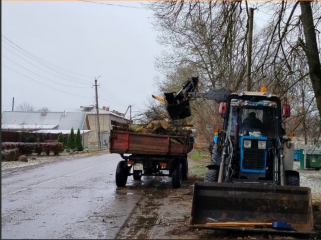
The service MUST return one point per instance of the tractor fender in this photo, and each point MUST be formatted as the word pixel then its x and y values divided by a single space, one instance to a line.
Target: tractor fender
pixel 213 166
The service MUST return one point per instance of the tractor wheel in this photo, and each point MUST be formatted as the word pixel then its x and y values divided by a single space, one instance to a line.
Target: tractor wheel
pixel 121 174
pixel 137 175
pixel 211 175
pixel 185 169
pixel 177 175
pixel 292 180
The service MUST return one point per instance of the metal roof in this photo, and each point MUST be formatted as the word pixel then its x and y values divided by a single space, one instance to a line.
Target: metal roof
pixel 73 120
pixel 60 131
pixel 27 126
pixel 39 120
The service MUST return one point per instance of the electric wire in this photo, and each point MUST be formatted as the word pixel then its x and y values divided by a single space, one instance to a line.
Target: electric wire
pixel 116 103
pixel 111 95
pixel 110 4
pixel 40 75
pixel 54 70
pixel 42 59
pixel 43 83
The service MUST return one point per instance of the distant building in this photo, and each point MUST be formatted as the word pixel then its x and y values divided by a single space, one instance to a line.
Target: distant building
pixel 84 119
pixel 105 118
pixel 45 123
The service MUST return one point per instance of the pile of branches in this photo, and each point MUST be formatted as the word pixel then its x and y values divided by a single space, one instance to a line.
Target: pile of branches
pixel 163 127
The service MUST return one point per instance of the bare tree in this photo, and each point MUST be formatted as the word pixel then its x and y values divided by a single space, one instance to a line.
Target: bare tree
pixel 311 49
pixel 25 107
pixel 155 111
pixel 203 37
pixel 210 38
pixel 44 110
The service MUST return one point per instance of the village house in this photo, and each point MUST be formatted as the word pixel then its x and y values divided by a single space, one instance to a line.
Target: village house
pixel 50 124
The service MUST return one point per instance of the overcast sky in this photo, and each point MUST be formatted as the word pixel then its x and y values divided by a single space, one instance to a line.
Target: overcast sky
pixel 53 51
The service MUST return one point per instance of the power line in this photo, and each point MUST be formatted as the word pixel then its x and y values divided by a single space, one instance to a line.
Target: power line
pixel 112 96
pixel 43 83
pixel 115 102
pixel 42 59
pixel 54 70
pixel 40 75
pixel 113 5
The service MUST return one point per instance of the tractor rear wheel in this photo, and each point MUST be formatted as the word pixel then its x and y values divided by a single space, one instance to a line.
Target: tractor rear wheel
pixel 185 169
pixel 177 175
pixel 121 174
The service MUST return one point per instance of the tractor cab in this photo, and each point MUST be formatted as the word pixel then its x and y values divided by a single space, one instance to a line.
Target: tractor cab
pixel 253 116
pixel 252 123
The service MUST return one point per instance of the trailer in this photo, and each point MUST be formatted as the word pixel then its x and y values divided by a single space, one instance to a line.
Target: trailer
pixel 147 154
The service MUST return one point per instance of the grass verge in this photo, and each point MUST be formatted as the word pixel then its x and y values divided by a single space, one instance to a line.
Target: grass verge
pixel 201 157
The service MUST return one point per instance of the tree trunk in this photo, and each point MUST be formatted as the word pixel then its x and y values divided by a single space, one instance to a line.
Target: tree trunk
pixel 304 118
pixel 311 50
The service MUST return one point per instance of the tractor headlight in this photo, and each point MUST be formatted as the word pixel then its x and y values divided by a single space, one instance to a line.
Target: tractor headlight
pixel 247 144
pixel 262 144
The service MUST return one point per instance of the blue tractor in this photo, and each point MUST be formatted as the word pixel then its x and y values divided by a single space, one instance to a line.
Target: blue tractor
pixel 250 180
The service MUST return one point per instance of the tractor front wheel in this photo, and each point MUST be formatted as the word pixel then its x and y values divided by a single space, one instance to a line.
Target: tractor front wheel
pixel 211 175
pixel 292 180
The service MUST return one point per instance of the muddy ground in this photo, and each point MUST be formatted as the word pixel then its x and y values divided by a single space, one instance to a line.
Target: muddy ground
pixel 164 213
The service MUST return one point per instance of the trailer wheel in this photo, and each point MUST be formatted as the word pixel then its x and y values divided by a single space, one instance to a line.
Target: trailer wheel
pixel 137 175
pixel 211 175
pixel 185 169
pixel 177 175
pixel 292 180
pixel 121 174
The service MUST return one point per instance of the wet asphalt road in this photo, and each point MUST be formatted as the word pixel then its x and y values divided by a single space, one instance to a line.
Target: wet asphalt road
pixel 70 199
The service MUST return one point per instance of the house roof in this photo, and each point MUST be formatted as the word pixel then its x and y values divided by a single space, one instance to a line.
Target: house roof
pixel 27 126
pixel 90 110
pixel 39 120
pixel 60 131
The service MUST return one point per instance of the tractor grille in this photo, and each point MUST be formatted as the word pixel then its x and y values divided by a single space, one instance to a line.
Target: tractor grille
pixel 253 159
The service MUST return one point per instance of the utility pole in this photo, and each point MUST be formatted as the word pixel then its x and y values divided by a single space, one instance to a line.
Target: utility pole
pixel 12 104
pixel 97 109
pixel 249 50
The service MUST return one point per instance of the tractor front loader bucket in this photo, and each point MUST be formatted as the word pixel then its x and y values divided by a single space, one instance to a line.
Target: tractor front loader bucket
pixel 252 207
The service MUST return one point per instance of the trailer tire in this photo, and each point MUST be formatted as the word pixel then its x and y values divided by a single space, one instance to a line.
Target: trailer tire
pixel 137 174
pixel 121 174
pixel 211 175
pixel 185 169
pixel 292 180
pixel 177 175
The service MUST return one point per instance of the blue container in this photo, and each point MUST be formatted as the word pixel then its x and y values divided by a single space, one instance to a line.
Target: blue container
pixel 296 155
pixel 302 162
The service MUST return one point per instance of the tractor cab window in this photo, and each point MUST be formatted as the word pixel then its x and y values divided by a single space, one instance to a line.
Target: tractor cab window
pixel 255 118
